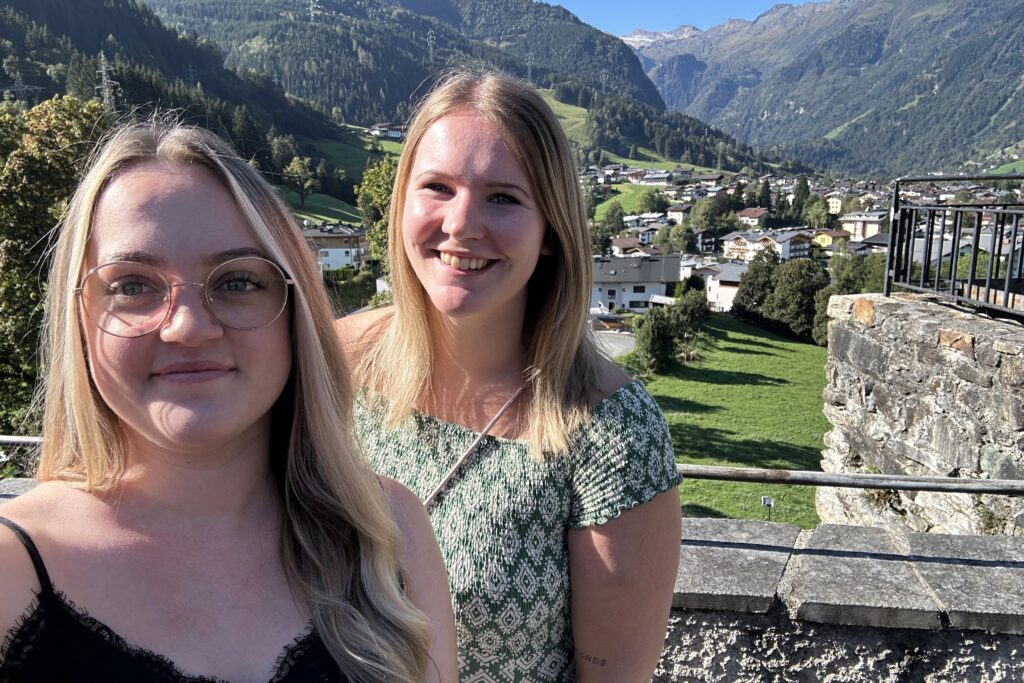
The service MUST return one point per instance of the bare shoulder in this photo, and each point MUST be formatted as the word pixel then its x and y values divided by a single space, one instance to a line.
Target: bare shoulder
pixel 355 330
pixel 406 509
pixel 33 512
pixel 611 378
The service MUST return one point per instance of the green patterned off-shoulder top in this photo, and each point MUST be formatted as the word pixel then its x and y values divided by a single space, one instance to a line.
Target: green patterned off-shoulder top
pixel 502 524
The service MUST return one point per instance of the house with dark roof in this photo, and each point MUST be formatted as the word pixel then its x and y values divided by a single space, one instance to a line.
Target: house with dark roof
pixel 628 283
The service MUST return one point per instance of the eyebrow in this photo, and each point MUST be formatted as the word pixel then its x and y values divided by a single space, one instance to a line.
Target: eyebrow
pixel 491 186
pixel 150 259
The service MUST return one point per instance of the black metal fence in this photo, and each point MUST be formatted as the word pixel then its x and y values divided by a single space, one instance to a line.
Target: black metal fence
pixel 969 253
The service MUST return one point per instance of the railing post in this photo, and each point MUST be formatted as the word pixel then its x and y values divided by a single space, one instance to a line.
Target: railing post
pixel 893 229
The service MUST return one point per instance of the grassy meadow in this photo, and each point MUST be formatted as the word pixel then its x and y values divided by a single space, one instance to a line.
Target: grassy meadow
pixel 752 400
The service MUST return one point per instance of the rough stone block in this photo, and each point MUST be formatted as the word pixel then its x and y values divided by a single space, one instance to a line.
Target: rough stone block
pixel 11 488
pixel 958 341
pixel 1010 347
pixel 864 311
pixel 853 576
pixel 999 464
pixel 839 307
pixel 1011 371
pixel 866 354
pixel 731 564
pixel 973 374
pixel 978 579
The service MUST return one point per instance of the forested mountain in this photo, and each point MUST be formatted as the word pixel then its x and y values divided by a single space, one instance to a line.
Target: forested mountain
pixel 547 36
pixel 364 58
pixel 54 46
pixel 367 61
pixel 861 86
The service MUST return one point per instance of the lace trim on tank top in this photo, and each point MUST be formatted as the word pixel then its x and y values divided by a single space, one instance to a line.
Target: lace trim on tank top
pixel 20 639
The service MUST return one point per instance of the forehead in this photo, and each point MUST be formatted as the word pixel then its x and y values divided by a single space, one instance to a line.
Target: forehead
pixel 466 144
pixel 172 211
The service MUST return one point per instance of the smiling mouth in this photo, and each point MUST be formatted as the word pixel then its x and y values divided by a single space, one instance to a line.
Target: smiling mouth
pixel 463 263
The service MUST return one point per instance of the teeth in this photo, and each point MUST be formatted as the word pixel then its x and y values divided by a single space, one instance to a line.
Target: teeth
pixel 463 263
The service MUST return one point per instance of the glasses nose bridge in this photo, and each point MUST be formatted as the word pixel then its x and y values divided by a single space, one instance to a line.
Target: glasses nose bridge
pixel 173 303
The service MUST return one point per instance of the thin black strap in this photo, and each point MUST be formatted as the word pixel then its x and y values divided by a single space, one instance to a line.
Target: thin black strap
pixel 33 552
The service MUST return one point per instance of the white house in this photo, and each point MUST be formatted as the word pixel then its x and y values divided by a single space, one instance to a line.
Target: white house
pixel 788 244
pixel 721 282
pixel 338 246
pixel 629 283
pixel 862 224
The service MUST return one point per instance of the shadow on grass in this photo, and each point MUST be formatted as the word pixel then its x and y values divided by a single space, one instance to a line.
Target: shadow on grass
pixel 682 405
pixel 727 377
pixel 723 445
pixel 694 510
pixel 745 352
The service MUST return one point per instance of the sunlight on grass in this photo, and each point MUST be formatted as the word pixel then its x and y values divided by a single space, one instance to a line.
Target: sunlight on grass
pixel 321 207
pixel 754 400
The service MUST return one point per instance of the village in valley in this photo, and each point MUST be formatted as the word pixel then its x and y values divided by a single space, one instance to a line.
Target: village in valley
pixel 644 256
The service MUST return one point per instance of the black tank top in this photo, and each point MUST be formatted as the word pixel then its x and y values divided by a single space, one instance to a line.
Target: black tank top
pixel 54 641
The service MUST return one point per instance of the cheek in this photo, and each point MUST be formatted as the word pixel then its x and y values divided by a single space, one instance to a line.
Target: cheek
pixel 416 223
pixel 112 363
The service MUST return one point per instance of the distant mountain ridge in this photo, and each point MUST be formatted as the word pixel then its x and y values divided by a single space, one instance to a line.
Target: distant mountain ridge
pixel 863 86
pixel 367 61
pixel 364 57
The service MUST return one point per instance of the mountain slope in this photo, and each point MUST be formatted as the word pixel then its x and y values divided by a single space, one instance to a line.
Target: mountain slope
pixel 548 36
pixel 54 47
pixel 867 86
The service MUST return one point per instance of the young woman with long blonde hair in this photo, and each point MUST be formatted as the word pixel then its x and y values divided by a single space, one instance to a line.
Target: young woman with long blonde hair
pixel 202 505
pixel 560 525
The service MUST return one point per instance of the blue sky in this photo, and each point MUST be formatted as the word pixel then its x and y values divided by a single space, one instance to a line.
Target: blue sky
pixel 622 17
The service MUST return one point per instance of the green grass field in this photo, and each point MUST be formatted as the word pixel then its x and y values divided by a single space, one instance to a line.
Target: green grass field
pixel 753 400
pixel 628 197
pixel 352 153
pixel 321 207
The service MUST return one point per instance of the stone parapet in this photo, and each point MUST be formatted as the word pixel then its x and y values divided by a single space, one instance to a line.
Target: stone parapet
pixel 920 387
pixel 9 488
pixel 757 601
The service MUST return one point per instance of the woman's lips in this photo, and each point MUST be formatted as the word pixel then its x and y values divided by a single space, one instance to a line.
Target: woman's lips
pixel 192 372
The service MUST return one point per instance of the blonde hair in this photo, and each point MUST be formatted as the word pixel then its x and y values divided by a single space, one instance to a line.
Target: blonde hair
pixel 560 352
pixel 339 542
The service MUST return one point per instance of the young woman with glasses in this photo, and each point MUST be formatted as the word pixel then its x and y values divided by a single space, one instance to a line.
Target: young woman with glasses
pixel 203 513
pixel 560 528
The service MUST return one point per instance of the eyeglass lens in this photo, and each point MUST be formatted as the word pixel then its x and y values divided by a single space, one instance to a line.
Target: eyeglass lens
pixel 129 299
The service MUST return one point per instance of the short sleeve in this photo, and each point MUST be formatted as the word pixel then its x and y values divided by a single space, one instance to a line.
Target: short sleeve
pixel 621 459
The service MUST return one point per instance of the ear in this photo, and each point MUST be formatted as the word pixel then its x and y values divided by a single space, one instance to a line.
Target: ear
pixel 547 247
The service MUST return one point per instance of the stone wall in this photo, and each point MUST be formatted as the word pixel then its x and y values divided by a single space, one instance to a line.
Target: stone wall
pixel 923 388
pixel 757 601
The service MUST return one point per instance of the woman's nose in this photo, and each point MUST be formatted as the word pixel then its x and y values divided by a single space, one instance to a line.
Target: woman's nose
pixel 190 320
pixel 464 220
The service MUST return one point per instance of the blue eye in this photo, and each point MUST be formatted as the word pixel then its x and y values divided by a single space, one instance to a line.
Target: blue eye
pixel 503 198
pixel 438 187
pixel 239 282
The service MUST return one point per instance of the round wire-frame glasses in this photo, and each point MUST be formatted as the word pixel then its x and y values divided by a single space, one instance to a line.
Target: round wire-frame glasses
pixel 131 299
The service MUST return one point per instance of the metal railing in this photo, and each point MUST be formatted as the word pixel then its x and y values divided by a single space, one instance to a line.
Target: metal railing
pixel 20 440
pixel 969 253
pixel 901 482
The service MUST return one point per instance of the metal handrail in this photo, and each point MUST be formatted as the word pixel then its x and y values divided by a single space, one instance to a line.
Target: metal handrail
pixel 901 482
pixel 20 440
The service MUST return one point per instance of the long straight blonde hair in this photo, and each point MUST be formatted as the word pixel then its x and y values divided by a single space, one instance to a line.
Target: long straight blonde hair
pixel 339 542
pixel 559 349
